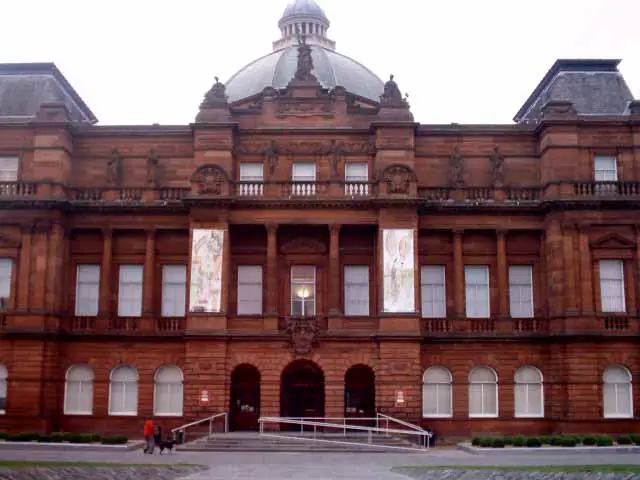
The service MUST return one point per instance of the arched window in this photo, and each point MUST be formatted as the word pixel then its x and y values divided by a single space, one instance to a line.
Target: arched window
pixel 168 396
pixel 436 393
pixel 123 391
pixel 529 394
pixel 483 392
pixel 617 393
pixel 3 389
pixel 78 390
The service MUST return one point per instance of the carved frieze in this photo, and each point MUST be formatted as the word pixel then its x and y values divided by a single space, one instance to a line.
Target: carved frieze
pixel 304 109
pixel 302 334
pixel 210 180
pixel 302 147
pixel 398 178
pixel 303 245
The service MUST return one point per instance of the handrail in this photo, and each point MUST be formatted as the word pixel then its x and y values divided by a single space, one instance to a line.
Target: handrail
pixel 389 418
pixel 210 419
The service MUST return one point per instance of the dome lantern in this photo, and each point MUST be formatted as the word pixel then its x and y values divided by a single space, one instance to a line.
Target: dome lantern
pixel 303 18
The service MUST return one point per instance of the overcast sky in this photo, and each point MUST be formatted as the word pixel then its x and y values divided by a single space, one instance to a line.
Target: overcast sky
pixel 465 61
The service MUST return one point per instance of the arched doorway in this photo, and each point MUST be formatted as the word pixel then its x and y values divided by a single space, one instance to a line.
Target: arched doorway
pixel 301 391
pixel 360 394
pixel 245 398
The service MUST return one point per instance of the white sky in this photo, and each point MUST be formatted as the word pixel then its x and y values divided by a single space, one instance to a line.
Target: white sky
pixel 465 61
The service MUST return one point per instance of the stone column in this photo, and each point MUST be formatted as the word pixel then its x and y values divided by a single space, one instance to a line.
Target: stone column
pixel 570 269
pixel 271 312
pixel 503 275
pixel 41 263
pixel 24 275
pixel 106 303
pixel 334 271
pixel 458 274
pixel 586 268
pixel 149 274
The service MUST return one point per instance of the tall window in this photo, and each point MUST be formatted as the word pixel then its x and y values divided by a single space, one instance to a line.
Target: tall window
pixel 174 290
pixel 168 395
pixel 6 271
pixel 356 172
pixel 123 391
pixel 249 290
pixel 303 290
pixel 130 291
pixel 605 169
pixel 253 174
pixel 356 290
pixel 437 397
pixel 529 393
pixel 483 392
pixel 612 297
pixel 87 290
pixel 521 291
pixel 8 169
pixel 3 389
pixel 432 289
pixel 304 172
pixel 617 393
pixel 78 390
pixel 476 283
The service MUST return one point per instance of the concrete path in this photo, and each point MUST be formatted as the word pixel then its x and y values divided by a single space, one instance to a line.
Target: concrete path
pixel 320 466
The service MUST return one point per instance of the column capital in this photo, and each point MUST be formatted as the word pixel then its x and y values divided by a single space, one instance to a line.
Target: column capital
pixel 151 232
pixel 272 227
pixel 457 231
pixel 335 228
pixel 501 232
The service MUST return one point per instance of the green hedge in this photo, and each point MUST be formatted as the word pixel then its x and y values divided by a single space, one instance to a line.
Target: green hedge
pixel 68 437
pixel 556 441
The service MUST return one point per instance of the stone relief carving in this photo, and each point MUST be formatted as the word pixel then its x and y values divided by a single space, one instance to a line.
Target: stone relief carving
pixel 260 147
pixel 305 61
pixel 336 157
pixel 497 167
pixel 216 96
pixel 456 168
pixel 152 168
pixel 210 180
pixel 303 245
pixel 114 168
pixel 302 333
pixel 271 156
pixel 398 178
pixel 392 97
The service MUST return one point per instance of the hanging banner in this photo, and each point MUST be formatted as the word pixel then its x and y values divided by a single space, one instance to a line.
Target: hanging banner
pixel 205 294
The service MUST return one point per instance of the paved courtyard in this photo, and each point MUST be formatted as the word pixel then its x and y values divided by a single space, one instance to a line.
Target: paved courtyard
pixel 311 466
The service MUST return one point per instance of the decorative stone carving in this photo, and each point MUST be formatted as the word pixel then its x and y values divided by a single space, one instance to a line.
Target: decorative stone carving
pixel 216 96
pixel 114 169
pixel 336 156
pixel 304 245
pixel 613 241
pixel 215 106
pixel 302 332
pixel 305 62
pixel 152 168
pixel 260 147
pixel 497 167
pixel 304 109
pixel 456 168
pixel 392 97
pixel 271 156
pixel 398 178
pixel 210 180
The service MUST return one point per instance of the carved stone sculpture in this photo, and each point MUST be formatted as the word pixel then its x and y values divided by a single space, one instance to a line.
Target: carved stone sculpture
pixel 209 180
pixel 336 155
pixel 305 64
pixel 271 156
pixel 497 167
pixel 398 179
pixel 152 168
pixel 456 168
pixel 302 333
pixel 114 169
pixel 392 97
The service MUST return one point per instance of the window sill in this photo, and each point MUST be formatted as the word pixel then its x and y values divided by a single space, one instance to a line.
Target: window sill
pixel 530 416
pixel 617 417
pixel 78 414
pixel 437 416
pixel 123 414
pixel 484 416
pixel 168 415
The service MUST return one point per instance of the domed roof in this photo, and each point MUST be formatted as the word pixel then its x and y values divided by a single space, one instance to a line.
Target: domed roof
pixel 330 68
pixel 304 7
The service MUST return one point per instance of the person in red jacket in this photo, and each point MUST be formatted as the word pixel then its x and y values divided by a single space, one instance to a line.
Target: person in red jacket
pixel 149 431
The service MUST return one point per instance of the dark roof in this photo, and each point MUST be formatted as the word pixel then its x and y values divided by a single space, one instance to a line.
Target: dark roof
pixel 606 97
pixel 26 86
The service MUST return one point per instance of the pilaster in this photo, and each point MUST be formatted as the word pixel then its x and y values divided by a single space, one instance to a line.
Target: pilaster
pixel 106 303
pixel 586 272
pixel 271 312
pixel 24 277
pixel 458 274
pixel 149 273
pixel 334 271
pixel 503 274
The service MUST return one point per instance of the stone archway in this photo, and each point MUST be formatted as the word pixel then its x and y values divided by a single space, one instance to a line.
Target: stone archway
pixel 301 391
pixel 244 408
pixel 360 394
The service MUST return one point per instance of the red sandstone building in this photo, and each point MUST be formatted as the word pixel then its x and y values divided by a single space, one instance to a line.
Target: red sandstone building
pixel 306 249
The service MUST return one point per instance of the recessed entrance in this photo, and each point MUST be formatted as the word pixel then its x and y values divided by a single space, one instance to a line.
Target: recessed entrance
pixel 360 395
pixel 245 398
pixel 301 392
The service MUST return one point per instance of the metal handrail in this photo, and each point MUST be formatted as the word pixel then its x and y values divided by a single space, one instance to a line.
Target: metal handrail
pixel 210 419
pixel 389 418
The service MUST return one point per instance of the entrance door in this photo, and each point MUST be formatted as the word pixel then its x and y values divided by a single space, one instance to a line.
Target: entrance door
pixel 245 398
pixel 360 395
pixel 301 392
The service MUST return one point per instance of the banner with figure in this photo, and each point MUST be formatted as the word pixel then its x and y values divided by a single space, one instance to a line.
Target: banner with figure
pixel 398 271
pixel 205 293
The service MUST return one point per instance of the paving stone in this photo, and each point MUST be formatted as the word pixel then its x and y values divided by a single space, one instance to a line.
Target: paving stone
pixel 98 473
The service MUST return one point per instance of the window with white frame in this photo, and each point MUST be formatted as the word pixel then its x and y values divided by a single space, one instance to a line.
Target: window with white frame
pixel 6 273
pixel 303 290
pixel 612 296
pixel 605 168
pixel 521 291
pixel 529 395
pixel 476 286
pixel 130 291
pixel 249 289
pixel 304 172
pixel 433 291
pixel 356 172
pixel 251 172
pixel 123 391
pixel 483 392
pixel 437 394
pixel 356 290
pixel 168 395
pixel 87 290
pixel 3 389
pixel 174 290
pixel 617 393
pixel 9 168
pixel 78 390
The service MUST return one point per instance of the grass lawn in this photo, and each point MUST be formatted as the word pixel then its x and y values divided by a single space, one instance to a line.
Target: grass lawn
pixel 544 469
pixel 53 464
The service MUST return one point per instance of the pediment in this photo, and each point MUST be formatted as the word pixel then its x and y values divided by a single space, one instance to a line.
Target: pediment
pixel 303 245
pixel 612 241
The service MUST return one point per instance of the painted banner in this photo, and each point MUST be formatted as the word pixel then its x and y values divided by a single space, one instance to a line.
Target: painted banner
pixel 205 293
pixel 398 271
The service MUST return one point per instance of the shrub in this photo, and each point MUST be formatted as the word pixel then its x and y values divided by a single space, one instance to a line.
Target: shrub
pixel 508 440
pixel 95 437
pixel 116 440
pixel 555 440
pixel 56 437
pixel 624 440
pixel 635 438
pixel 589 440
pixel 545 440
pixel 44 439
pixel 66 436
pixel 519 441
pixel 3 435
pixel 23 437
pixel 475 441
pixel 568 441
pixel 604 441
pixel 533 442
pixel 498 443
pixel 486 442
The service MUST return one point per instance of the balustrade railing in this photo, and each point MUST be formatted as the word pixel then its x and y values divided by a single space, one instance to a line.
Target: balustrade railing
pixel 18 189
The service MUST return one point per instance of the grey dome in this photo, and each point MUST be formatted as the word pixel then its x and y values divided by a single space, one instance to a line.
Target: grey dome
pixel 304 7
pixel 330 68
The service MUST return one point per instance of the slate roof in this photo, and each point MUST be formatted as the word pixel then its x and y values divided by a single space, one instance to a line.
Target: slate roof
pixel 26 86
pixel 594 86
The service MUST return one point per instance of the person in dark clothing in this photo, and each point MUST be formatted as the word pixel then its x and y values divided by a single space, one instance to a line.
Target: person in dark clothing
pixel 157 434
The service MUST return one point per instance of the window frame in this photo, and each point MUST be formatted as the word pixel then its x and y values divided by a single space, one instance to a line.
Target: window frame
pixel 356 178
pixel 366 288
pixel 513 285
pixel 66 410
pixel 425 285
pixel 11 264
pixel 487 271
pixel 174 284
pixel 314 286
pixel 482 393
pixel 300 165
pixel 622 281
pixel 4 387
pixel 438 385
pixel 527 385
pixel 250 178
pixel 128 285
pixel 157 392
pixel 260 310
pixel 123 413
pixel 614 170
pixel 629 386
pixel 79 267
pixel 16 172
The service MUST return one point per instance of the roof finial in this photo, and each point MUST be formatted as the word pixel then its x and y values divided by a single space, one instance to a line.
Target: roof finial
pixel 217 79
